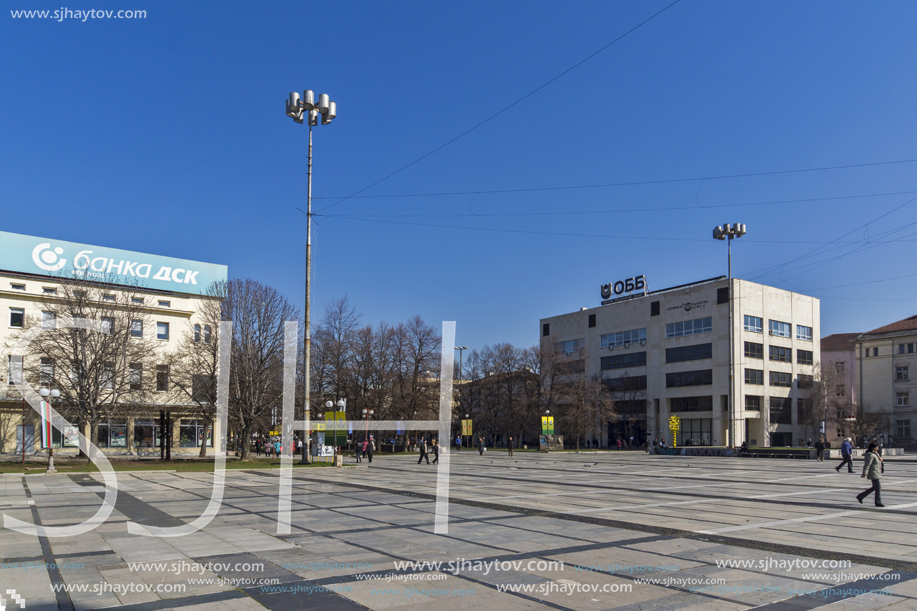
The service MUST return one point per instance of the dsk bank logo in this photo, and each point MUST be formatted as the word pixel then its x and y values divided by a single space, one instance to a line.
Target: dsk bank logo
pixel 47 258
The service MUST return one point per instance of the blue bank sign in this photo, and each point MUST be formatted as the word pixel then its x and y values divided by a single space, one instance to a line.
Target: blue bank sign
pixel 31 255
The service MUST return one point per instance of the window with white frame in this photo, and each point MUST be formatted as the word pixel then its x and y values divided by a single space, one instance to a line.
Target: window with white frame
pixel 624 338
pixel 17 318
pixel 779 329
pixel 804 333
pixel 108 297
pixel 904 429
pixel 689 327
pixel 902 399
pixel 137 300
pixel 108 325
pixel 48 320
pixel 197 333
pixel 49 290
pixel 46 372
pixel 901 374
pixel 136 376
pixel 136 328
pixel 840 366
pixel 162 330
pixel 206 334
pixel 17 287
pixel 108 376
pixel 11 377
pixel 754 324
pixel 165 304
pixel 570 346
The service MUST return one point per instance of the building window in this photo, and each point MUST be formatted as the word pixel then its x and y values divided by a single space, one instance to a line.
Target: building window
pixel 591 320
pixel 165 304
pixel 545 330
pixel 11 378
pixel 17 317
pixel 781 355
pixel 162 378
pixel 754 324
pixel 780 329
pixel 654 308
pixel 804 333
pixel 202 388
pixel 904 429
pixel 840 367
pixel 905 348
pixel 570 367
pixel 840 390
pixel 695 432
pixel 570 346
pixel 689 327
pixel 197 333
pixel 875 352
pixel 17 287
pixel 754 351
pixel 781 410
pixel 136 376
pixel 621 361
pixel 901 374
pixel 624 338
pixel 753 403
pixel 136 328
pixel 108 297
pixel 902 400
pixel 689 353
pixel 804 381
pixel 46 372
pixel 108 376
pixel 49 290
pixel 206 334
pixel 108 325
pixel 137 300
pixel 162 330
pixel 722 295
pixel 805 357
pixel 754 376
pixel 781 379
pixel 701 377
pixel 631 383
pixel 48 320
pixel 691 404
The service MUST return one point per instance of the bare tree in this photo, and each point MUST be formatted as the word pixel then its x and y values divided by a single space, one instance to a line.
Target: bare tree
pixel 101 374
pixel 258 313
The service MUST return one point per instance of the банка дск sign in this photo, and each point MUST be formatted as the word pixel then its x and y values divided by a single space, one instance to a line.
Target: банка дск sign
pixel 31 255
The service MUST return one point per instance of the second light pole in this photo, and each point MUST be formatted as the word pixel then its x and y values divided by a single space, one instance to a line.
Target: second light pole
pixel 729 232
pixel 300 109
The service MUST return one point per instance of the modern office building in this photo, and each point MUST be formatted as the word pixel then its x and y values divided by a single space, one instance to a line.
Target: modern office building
pixel 884 359
pixel 667 352
pixel 36 277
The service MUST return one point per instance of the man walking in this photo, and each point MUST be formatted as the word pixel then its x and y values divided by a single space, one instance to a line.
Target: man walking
pixel 370 448
pixel 820 450
pixel 422 446
pixel 847 455
pixel 510 446
pixel 435 451
pixel 481 446
pixel 458 443
pixel 872 469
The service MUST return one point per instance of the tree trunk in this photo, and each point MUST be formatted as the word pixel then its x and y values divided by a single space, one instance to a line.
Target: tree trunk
pixel 245 434
pixel 208 427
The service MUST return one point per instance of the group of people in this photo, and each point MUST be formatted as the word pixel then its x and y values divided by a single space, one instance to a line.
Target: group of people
pixel 425 454
pixel 365 449
pixel 271 446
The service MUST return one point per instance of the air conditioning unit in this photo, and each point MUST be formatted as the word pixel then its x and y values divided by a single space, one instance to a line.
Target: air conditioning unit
pixel 771 332
pixel 643 343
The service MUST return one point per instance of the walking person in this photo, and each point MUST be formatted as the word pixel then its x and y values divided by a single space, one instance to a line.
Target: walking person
pixel 481 446
pixel 364 446
pixel 872 470
pixel 370 448
pixel 820 450
pixel 435 451
pixel 458 443
pixel 422 446
pixel 510 446
pixel 847 456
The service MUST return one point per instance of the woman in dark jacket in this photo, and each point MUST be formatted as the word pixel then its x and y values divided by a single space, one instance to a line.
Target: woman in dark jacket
pixel 872 469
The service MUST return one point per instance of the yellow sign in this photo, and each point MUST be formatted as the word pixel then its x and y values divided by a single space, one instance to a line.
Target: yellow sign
pixel 466 428
pixel 547 425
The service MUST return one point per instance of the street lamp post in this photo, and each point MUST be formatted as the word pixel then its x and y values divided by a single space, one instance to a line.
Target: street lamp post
pixel 45 394
pixel 299 109
pixel 342 406
pixel 730 232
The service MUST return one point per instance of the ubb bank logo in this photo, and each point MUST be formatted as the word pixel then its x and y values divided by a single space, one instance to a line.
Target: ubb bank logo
pixel 16 598
pixel 47 258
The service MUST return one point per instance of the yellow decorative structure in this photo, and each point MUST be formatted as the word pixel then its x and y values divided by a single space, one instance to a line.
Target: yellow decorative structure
pixel 674 426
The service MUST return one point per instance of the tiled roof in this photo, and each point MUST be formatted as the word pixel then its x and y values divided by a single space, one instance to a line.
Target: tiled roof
pixel 906 324
pixel 838 341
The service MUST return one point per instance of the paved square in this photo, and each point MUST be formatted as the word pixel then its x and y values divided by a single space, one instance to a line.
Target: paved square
pixel 534 531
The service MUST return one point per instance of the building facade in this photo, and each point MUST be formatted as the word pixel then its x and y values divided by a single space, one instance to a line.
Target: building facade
pixel 884 359
pixel 37 276
pixel 667 352
pixel 838 378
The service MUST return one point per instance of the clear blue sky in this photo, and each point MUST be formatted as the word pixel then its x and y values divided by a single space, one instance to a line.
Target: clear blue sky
pixel 168 135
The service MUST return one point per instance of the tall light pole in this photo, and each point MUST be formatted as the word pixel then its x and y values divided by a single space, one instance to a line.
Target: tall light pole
pixel 299 109
pixel 729 232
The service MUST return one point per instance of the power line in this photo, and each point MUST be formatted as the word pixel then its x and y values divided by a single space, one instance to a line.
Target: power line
pixel 622 210
pixel 500 112
pixel 618 184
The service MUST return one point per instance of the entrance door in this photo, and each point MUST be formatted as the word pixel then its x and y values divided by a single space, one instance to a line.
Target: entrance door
pixel 29 439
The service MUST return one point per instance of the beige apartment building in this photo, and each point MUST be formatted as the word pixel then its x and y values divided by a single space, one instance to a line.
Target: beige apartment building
pixel 886 389
pixel 667 352
pixel 168 293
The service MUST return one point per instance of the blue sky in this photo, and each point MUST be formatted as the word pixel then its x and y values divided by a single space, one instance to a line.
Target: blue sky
pixel 168 135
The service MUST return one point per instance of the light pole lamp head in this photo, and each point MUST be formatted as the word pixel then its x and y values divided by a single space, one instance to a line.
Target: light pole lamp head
pixel 313 117
pixel 329 404
pixel 55 394
pixel 44 392
pixel 323 102
pixel 341 404
pixel 308 99
pixel 739 229
pixel 718 233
